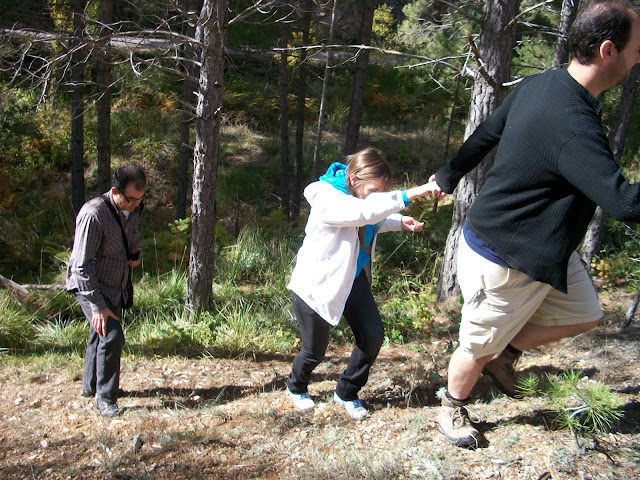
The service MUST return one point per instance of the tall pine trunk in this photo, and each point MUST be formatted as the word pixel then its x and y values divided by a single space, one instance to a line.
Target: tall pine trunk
pixel 323 96
pixel 103 79
pixel 213 19
pixel 284 122
pixel 497 40
pixel 567 16
pixel 78 61
pixel 302 92
pixel 359 80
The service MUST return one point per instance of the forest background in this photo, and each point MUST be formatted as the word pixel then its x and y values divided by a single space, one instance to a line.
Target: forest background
pixel 86 86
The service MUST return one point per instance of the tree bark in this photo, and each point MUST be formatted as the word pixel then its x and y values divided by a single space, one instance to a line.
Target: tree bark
pixel 617 134
pixel 323 95
pixel 103 79
pixel 213 19
pixel 494 65
pixel 284 122
pixel 567 16
pixel 359 80
pixel 77 106
pixel 302 92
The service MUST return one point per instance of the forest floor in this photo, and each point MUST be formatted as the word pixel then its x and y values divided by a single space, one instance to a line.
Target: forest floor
pixel 197 418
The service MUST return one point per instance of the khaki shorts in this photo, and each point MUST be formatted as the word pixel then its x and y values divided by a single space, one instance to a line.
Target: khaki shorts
pixel 499 301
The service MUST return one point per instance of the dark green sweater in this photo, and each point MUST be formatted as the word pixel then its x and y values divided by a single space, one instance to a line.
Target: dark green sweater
pixel 552 167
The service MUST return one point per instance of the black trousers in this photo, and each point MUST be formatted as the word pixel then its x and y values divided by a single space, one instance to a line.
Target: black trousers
pixel 364 319
pixel 101 372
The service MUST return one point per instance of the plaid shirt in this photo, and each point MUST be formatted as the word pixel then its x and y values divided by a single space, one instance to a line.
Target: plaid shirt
pixel 98 267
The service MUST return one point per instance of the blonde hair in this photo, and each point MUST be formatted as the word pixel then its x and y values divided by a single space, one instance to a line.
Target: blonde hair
pixel 368 164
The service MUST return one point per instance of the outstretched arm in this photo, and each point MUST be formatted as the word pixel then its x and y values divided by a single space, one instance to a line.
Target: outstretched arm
pixel 430 188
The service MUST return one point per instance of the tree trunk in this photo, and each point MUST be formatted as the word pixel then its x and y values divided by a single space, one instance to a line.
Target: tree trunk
pixel 103 79
pixel 359 80
pixel 494 64
pixel 323 95
pixel 617 134
pixel 205 160
pixel 77 106
pixel 302 92
pixel 631 311
pixel 567 16
pixel 284 122
pixel 186 115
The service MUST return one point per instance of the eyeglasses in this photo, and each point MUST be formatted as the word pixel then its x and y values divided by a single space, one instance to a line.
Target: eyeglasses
pixel 132 200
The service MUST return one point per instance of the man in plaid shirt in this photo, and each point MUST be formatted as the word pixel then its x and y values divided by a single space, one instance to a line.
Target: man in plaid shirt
pixel 98 273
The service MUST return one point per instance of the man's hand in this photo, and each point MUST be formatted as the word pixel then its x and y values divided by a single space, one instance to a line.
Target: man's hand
pixel 410 224
pixel 430 188
pixel 437 191
pixel 138 258
pixel 99 320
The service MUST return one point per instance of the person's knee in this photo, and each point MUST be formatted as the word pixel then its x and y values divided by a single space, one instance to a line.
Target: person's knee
pixel 372 342
pixel 310 357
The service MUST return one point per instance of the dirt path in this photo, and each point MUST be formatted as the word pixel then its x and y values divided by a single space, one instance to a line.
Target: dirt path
pixel 226 419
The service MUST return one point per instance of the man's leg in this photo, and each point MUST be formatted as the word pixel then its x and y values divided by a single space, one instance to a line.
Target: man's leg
pixel 464 372
pixel 108 356
pixel 498 302
pixel 560 315
pixel 533 335
pixel 89 370
pixel 108 361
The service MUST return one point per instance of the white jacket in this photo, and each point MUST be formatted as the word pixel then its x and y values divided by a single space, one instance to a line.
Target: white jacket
pixel 326 262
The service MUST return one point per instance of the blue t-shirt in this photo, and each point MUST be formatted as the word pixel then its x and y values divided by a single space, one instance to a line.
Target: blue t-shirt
pixel 480 248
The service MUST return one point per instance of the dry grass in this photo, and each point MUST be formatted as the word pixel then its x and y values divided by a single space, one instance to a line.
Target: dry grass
pixel 229 418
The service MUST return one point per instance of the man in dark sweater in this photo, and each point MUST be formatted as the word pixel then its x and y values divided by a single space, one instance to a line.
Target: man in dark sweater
pixel 522 281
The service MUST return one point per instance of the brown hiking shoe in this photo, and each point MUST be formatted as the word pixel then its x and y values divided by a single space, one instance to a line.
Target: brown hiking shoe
pixel 501 371
pixel 455 425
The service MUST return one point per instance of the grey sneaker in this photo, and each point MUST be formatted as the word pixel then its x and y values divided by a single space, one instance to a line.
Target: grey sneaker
pixel 455 425
pixel 501 371
pixel 106 407
pixel 355 408
pixel 302 401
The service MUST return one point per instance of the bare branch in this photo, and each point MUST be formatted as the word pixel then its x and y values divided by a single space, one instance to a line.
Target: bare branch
pixel 461 11
pixel 525 11
pixel 359 48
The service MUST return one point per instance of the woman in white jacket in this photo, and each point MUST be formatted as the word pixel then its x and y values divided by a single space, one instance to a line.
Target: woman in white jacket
pixel 349 207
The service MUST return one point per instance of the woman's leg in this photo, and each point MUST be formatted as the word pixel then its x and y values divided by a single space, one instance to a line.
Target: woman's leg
pixel 314 333
pixel 364 319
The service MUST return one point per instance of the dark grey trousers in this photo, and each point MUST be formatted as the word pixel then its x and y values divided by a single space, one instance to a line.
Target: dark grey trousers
pixel 101 372
pixel 364 319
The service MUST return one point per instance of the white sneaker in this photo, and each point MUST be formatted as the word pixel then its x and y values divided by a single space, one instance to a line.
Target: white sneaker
pixel 302 401
pixel 355 408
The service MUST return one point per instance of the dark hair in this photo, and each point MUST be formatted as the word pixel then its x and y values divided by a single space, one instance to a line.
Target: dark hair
pixel 598 22
pixel 126 174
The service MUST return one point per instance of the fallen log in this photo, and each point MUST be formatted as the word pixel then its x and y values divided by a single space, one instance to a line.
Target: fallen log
pixel 11 285
pixel 23 290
